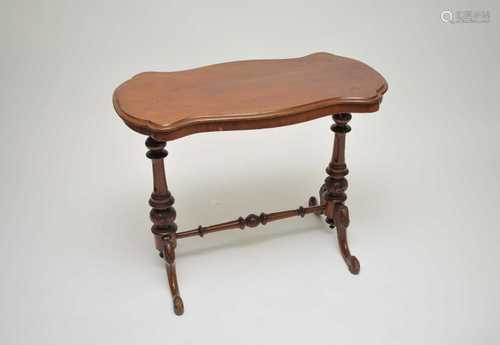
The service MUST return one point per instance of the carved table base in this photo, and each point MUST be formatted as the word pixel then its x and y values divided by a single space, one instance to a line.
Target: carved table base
pixel 331 204
pixel 333 191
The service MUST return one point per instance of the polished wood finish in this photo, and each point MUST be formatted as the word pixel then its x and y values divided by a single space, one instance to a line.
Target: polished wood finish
pixel 337 214
pixel 163 217
pixel 253 220
pixel 247 95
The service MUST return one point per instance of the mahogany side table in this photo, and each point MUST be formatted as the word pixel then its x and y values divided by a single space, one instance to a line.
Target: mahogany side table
pixel 248 95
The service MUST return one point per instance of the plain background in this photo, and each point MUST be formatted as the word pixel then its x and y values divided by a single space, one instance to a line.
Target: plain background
pixel 76 253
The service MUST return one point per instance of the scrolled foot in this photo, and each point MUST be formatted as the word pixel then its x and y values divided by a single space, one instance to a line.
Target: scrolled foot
pixel 353 264
pixel 178 305
pixel 341 219
pixel 169 255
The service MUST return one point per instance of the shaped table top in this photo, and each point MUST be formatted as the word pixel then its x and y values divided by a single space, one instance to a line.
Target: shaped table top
pixel 247 95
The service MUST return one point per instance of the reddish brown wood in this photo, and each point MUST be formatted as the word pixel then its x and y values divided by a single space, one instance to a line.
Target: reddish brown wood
pixel 163 217
pixel 251 221
pixel 247 95
pixel 337 214
pixel 314 202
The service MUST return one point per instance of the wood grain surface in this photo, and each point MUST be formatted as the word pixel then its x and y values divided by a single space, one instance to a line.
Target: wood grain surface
pixel 247 95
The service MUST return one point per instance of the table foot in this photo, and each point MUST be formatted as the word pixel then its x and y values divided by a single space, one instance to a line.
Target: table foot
pixel 178 305
pixel 169 250
pixel 341 220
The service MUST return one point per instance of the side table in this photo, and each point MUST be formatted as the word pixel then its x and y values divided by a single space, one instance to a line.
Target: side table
pixel 244 95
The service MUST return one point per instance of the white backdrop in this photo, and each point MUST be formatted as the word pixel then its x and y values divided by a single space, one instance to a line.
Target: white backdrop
pixel 78 265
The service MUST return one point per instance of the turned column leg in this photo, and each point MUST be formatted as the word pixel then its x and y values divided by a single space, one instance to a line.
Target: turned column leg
pixel 163 217
pixel 337 214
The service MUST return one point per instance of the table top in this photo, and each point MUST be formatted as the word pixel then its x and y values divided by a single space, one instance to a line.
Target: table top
pixel 247 95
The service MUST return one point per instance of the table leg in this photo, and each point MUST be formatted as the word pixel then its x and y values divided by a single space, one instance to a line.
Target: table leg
pixel 337 214
pixel 163 217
